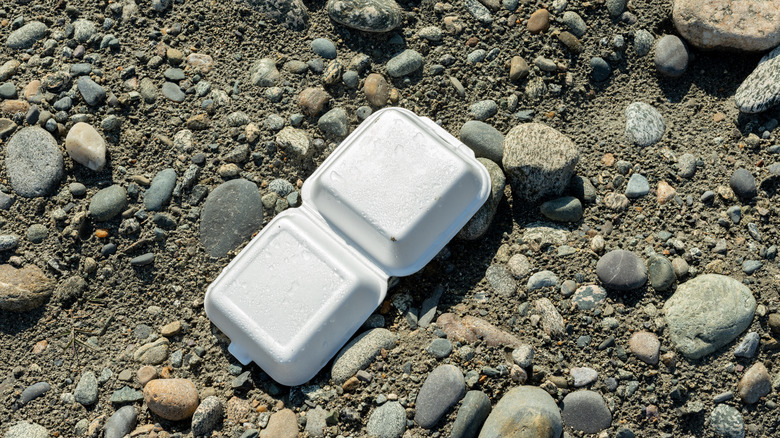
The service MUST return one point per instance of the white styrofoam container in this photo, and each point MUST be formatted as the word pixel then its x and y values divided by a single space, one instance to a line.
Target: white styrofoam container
pixel 383 204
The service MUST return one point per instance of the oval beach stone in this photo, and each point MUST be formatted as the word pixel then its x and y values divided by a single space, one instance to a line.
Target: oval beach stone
pixel 621 270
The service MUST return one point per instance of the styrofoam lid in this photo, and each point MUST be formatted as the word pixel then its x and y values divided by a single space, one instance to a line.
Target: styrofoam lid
pixel 398 188
pixel 292 297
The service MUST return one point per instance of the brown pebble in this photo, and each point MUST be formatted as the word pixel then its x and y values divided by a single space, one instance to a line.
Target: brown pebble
pixel 539 21
pixel 571 42
pixel 313 101
pixel 608 159
pixel 669 359
pixel 198 122
pixel 645 346
pixel 453 25
pixel 171 329
pixel 145 374
pixel 718 117
pixel 665 192
pixel 774 323
pixel 283 424
pixel 14 106
pixel 40 346
pixel 377 90
pixel 238 410
pixel 171 399
pixel 32 89
pixel 471 42
pixel 754 384
pixel 175 56
pixel 518 68
pixel 395 96
pixel 351 384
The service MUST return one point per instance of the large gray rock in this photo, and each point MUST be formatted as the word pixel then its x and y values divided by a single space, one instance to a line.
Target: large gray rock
pixel 440 391
pixel 365 15
pixel 707 313
pixel 743 25
pixel 291 13
pixel 471 416
pixel 387 421
pixel 478 225
pixel 538 161
pixel 761 89
pixel 359 353
pixel 33 162
pixel 230 215
pixel 525 411
pixel 120 423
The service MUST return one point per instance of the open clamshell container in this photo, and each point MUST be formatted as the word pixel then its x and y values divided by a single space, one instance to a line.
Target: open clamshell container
pixel 384 203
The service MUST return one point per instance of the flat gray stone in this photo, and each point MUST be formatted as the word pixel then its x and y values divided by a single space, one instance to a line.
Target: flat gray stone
pixel 387 421
pixel 324 47
pixel 231 214
pixel 485 140
pixel 26 36
pixel 92 93
pixel 586 411
pixel 159 192
pixel 660 273
pixel 708 312
pixel 120 423
pixel 172 92
pixel 500 280
pixel 525 411
pixel 360 352
pixel 264 73
pixel 33 391
pixel 152 353
pixel 637 186
pixel 471 416
pixel 404 63
pixel 644 124
pixel 33 161
pixel 542 279
pixel 108 202
pixel 365 15
pixel 564 209
pixel 761 89
pixel 443 387
pixel 334 123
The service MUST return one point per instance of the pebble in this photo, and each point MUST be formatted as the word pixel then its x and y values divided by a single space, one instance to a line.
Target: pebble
pixel 152 353
pixel 621 270
pixel 387 421
pixel 171 399
pixel 723 24
pixel 377 90
pixel 708 312
pixel 264 73
pixel 291 13
pixel 365 15
pixel 637 186
pixel 575 23
pixel 538 160
pixel 86 146
pixel 586 411
pixel 644 124
pixel 727 422
pixel 660 272
pixel 360 352
pixel 542 279
pixel 120 423
pixel 439 348
pixel 571 42
pixel 126 394
pixel 33 391
pixel 431 33
pixel 754 384
pixel 583 376
pixel 748 347
pixel 645 346
pixel 599 69
pixel 761 89
pixel 231 214
pixel 483 110
pixel 313 101
pixel 23 429
pixel 518 68
pixel 296 141
pixel 589 296
pixel 550 318
pixel 23 289
pixel 159 192
pixel 471 415
pixel 108 202
pixel 334 123
pixel 539 21
pixel 282 424
pixel 500 280
pixel 671 56
pixel 443 387
pixel 485 140
pixel 8 91
pixel 643 42
pixel 478 11
pixel 7 126
pixel 33 161
pixel 83 30
pixel 324 48
pixel 743 184
pixel 616 7
pixel 404 63
pixel 529 409
pixel 686 165
pixel 8 242
pixel 36 233
pixel 519 265
pixel 172 92
pixel 470 329
pixel 92 93
pixel 478 225
pixel 565 209
pixel 145 374
pixel 143 259
pixel 26 36
pixel 86 391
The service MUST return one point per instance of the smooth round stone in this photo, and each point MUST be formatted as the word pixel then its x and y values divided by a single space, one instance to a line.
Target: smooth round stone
pixel 761 89
pixel 645 346
pixel 439 348
pixel 637 186
pixel 727 421
pixel 589 296
pixel 599 69
pixel 542 279
pixel 86 146
pixel 754 384
pixel 324 47
pixel 360 352
pixel 387 421
pixel 172 91
pixel 431 33
pixel 365 15
pixel 33 162
pixel 586 411
pixel 529 409
pixel 121 422
pixel 264 73
pixel 108 202
pixel 404 63
pixel 743 184
pixel 583 376
pixel 377 90
pixel 686 165
pixel 36 233
pixel 621 270
pixel 350 79
pixel 660 272
pixel 231 214
pixel 472 414
pixel 24 429
pixel 708 312
pixel 174 74
pixel 26 36
pixel 483 110
pixel 519 265
pixel 23 289
pixel 143 259
pixel 159 192
pixel 575 23
pixel 539 21
pixel 616 7
pixel 443 387
pixel 643 42
pixel 565 209
pixel 92 93
pixel 86 391
pixel 644 124
pixel 8 91
pixel 171 399
pixel 539 161
pixel 671 56
pixel 83 30
pixel 485 140
pixel 741 25
pixel 152 353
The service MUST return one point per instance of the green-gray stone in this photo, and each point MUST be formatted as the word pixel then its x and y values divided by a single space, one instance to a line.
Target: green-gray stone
pixel 478 225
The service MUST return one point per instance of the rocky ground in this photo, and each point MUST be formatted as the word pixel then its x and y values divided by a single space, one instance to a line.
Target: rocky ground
pixel 621 280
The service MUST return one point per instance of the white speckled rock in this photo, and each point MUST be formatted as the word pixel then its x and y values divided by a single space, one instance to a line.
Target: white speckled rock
pixel 644 124
pixel 761 89
pixel 86 146
pixel 728 24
